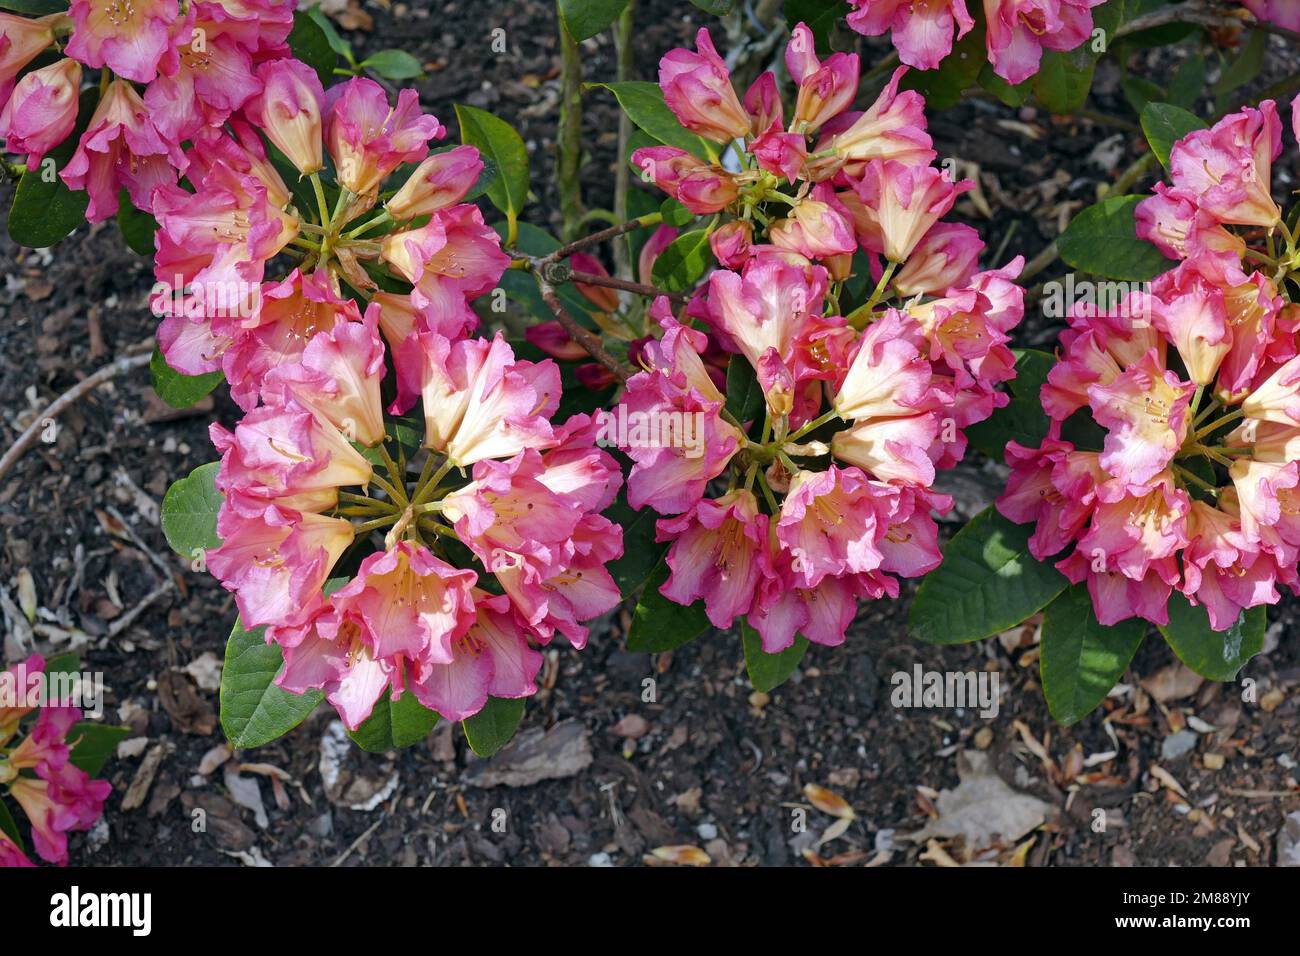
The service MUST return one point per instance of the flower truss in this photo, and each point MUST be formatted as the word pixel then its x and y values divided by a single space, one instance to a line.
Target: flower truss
pixel 1017 31
pixel 789 510
pixel 36 771
pixel 1196 384
pixel 469 545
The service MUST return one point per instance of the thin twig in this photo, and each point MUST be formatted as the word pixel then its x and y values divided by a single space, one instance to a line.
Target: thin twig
pixel 611 282
pixel 1201 16
pixel 28 438
pixel 584 337
pixel 612 232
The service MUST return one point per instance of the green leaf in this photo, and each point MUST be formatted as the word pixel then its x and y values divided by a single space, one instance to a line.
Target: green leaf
pixel 9 826
pixel 504 148
pixel 586 18
pixel 1013 96
pixel 1188 82
pixel 1064 79
pixel 1217 655
pixel 674 213
pixel 253 710
pixel 394 65
pixel 1081 659
pixel 641 552
pixel 39 8
pixel 988 582
pixel 1164 125
pixel 820 16
pixel 659 624
pixel 137 227
pixel 1022 419
pixel 1244 68
pixel 492 727
pixel 942 87
pixel 719 8
pixel 680 267
pixel 189 511
pixel 339 45
pixel 745 399
pixel 45 210
pixel 394 724
pixel 310 45
pixel 643 102
pixel 1140 91
pixel 95 743
pixel 769 671
pixel 1102 240
pixel 177 390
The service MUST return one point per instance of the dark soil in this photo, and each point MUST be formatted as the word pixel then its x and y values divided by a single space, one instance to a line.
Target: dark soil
pixel 707 762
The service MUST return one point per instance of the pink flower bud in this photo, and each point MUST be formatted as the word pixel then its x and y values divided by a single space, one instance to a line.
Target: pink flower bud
pixel 368 139
pixel 288 110
pixel 42 111
pixel 697 87
pixel 440 181
pixel 21 40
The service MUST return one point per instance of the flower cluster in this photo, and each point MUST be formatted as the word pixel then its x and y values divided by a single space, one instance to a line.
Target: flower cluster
pixel 824 495
pixel 1196 384
pixel 199 64
pixel 1018 31
pixel 37 773
pixel 1281 12
pixel 498 543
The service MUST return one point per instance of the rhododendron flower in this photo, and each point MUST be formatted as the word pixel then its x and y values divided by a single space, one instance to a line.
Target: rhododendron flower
pixel 1173 222
pixel 453 257
pixel 719 553
pixel 699 186
pixel 826 88
pixel 1281 12
pixel 441 180
pixel 480 402
pixel 22 39
pixel 288 110
pixel 10 854
pixel 121 149
pixel 831 522
pixel 1019 31
pixel 815 229
pixel 697 88
pixel 368 139
pixel 1144 409
pixel 1229 168
pixel 42 110
pixel 214 77
pixel 893 128
pixel 888 376
pixel 945 258
pixel 132 39
pixel 922 32
pixel 902 204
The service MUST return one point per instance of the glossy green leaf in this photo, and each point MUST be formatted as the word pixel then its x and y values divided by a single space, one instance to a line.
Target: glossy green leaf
pixel 820 16
pixel 1217 655
pixel 769 671
pixel 137 227
pixel 394 65
pixel 492 727
pixel 988 582
pixel 310 45
pixel 745 399
pixel 9 825
pixel 504 148
pixel 659 624
pixel 253 710
pixel 680 267
pixel 643 102
pixel 94 744
pixel 1102 240
pixel 394 724
pixel 1080 659
pixel 640 550
pixel 586 18
pixel 189 511
pixel 1164 125
pixel 177 390
pixel 1064 79
pixel 1022 419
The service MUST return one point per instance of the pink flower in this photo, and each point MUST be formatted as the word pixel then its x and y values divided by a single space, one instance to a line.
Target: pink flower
pixel 826 89
pixel 945 258
pixel 368 139
pixel 888 376
pixel 697 88
pixel 815 228
pixel 1196 320
pixel 922 32
pixel 338 379
pixel 1281 12
pixel 62 800
pixel 894 448
pixel 479 402
pixel 763 104
pixel 700 187
pixel 1019 31
pixel 10 855
pixel 1178 227
pixel 892 129
pixel 553 339
pixel 831 522
pixel 441 180
pixel 288 111
pixel 903 203
pixel 286 453
pixel 732 243
pixel 214 78
pixel 1145 411
pixel 1054 487
pixel 1221 570
pixel 121 148
pixel 1134 533
pixel 719 553
pixel 275 560
pixel 288 315
pixel 453 258
pixel 42 111
pixel 1229 167
pixel 22 40
pixel 1277 398
pixel 132 39
pixel 659 240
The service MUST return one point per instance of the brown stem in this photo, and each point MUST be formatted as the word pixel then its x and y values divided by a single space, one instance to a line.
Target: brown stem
pixel 1200 15
pixel 584 337
pixel 612 232
pixel 611 282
